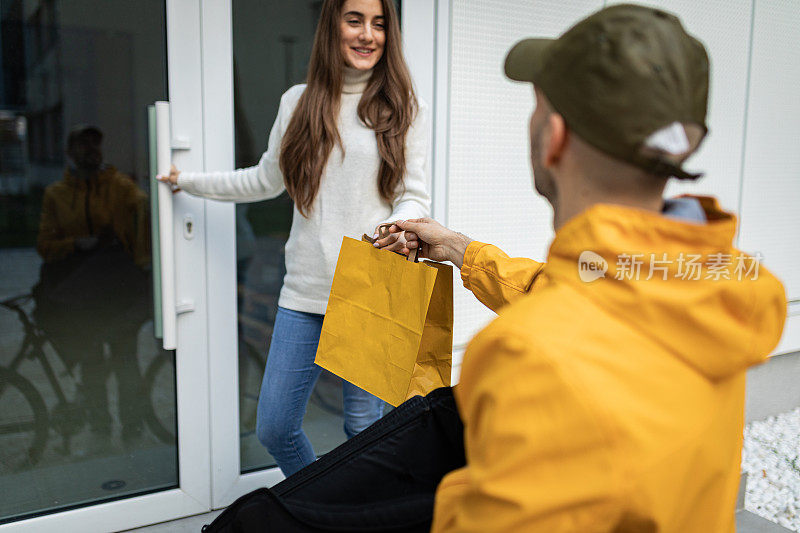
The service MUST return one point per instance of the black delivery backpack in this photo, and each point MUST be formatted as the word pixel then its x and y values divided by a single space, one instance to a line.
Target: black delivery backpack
pixel 382 480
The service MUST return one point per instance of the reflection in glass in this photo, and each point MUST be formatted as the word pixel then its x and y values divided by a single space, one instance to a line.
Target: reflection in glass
pixel 87 397
pixel 271 46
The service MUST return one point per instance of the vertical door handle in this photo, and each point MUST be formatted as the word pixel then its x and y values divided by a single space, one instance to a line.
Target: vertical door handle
pixel 165 227
pixel 155 249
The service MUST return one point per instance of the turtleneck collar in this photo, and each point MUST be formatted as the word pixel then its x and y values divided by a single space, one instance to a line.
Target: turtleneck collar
pixel 355 81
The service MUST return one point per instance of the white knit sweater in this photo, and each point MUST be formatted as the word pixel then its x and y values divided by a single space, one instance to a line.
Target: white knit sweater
pixel 348 202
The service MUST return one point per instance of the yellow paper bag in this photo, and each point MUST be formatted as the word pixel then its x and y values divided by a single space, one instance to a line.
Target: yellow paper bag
pixel 388 327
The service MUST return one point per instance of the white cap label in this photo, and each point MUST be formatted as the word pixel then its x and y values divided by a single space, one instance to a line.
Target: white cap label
pixel 671 139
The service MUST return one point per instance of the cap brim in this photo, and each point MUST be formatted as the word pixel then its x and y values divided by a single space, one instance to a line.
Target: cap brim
pixel 524 60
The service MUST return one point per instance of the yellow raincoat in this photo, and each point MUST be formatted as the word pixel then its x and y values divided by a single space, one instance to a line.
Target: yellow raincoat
pixel 615 404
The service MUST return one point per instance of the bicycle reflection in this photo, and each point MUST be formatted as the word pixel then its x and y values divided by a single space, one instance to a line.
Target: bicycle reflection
pixel 26 421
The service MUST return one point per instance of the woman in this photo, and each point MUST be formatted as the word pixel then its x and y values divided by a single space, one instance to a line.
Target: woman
pixel 350 148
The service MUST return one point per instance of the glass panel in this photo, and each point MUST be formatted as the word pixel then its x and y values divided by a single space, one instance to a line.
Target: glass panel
pixel 271 47
pixel 87 397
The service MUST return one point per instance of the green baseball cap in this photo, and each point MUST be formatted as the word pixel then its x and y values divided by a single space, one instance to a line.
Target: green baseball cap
pixel 622 78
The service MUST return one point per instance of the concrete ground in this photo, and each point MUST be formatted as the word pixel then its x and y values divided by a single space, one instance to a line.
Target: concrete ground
pixel 184 525
pixel 746 522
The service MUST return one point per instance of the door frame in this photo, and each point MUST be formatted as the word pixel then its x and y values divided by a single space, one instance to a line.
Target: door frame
pixel 227 482
pixel 193 494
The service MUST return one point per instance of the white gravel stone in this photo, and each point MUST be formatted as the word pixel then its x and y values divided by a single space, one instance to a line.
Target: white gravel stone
pixel 771 458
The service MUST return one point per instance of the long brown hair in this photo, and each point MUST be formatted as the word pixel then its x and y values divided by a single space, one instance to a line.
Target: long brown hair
pixel 387 106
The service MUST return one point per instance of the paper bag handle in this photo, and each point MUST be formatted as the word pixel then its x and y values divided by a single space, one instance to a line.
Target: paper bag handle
pixel 383 231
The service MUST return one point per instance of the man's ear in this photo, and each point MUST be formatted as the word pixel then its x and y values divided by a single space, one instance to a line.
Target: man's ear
pixel 555 139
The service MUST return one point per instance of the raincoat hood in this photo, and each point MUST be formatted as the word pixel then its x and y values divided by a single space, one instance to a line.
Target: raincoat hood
pixel 664 275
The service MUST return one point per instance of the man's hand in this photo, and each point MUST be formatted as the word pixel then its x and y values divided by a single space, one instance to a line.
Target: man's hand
pixel 433 240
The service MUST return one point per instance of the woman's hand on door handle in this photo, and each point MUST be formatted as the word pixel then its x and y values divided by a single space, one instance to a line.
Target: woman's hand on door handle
pixel 171 179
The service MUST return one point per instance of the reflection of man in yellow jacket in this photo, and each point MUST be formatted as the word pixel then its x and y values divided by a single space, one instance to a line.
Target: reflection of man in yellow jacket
pixel 608 394
pixel 92 204
pixel 94 240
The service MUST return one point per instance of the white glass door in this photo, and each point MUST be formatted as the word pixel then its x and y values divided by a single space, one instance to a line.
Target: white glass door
pixel 260 49
pixel 101 427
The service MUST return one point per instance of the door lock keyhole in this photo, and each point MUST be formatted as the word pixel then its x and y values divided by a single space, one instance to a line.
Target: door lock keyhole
pixel 188 227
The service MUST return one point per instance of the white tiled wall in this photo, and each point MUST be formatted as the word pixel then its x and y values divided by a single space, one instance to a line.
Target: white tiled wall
pixel 724 28
pixel 490 193
pixel 770 208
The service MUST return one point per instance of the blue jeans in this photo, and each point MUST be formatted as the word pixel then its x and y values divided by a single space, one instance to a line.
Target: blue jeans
pixel 289 378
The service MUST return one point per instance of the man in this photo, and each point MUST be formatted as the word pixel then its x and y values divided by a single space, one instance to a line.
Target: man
pixel 608 400
pixel 608 394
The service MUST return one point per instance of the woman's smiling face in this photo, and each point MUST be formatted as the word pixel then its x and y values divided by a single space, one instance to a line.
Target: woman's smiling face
pixel 362 31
